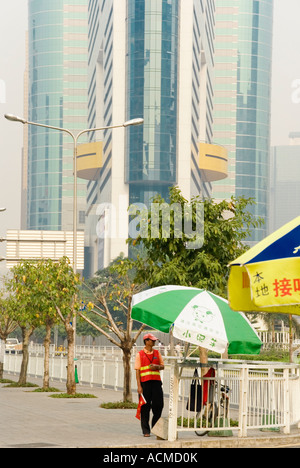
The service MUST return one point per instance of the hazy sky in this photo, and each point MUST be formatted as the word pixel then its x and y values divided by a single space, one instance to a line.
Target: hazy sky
pixel 13 24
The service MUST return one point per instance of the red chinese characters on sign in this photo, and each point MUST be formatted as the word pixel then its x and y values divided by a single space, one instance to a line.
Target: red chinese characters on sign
pixel 286 287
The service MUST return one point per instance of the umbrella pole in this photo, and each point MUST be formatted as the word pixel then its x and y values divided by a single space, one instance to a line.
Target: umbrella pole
pixel 171 343
pixel 225 354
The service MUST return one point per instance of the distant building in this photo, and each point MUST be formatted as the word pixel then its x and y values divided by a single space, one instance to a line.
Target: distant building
pixel 56 88
pixel 243 63
pixel 150 59
pixel 285 183
pixel 35 245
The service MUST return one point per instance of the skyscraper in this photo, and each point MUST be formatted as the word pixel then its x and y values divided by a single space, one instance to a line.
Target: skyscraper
pixel 152 59
pixel 57 96
pixel 243 55
pixel 284 183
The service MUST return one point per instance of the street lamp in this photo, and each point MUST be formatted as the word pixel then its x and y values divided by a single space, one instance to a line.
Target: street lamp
pixel 133 122
pixel 2 238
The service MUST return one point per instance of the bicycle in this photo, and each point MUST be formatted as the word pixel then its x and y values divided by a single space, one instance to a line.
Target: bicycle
pixel 215 408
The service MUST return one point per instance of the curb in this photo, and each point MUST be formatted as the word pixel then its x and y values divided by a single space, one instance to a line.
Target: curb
pixel 230 442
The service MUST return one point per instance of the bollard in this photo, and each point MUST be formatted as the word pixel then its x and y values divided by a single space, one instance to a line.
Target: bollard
pixel 76 372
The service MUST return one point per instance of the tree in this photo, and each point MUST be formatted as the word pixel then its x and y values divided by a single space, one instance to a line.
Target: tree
pixel 167 256
pixel 24 309
pixel 191 243
pixel 111 291
pixel 58 286
pixel 271 319
pixel 7 324
pixel 45 293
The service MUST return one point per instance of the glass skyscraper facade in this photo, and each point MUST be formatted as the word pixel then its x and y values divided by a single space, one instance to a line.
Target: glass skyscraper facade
pixel 57 96
pixel 152 67
pixel 243 99
pixel 284 183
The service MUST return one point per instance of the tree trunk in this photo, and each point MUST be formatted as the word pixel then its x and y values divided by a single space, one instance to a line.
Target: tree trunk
pixel 26 334
pixel 273 331
pixel 2 353
pixel 127 393
pixel 71 384
pixel 47 342
pixel 225 354
pixel 203 356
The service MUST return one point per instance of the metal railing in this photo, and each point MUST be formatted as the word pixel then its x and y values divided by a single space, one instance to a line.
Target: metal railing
pixel 238 397
pixel 104 370
pixel 250 395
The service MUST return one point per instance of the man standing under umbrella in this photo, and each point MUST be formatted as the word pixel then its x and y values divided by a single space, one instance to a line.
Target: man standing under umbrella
pixel 148 363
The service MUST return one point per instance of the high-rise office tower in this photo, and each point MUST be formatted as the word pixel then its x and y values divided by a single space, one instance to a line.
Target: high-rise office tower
pixel 243 56
pixel 152 59
pixel 57 96
pixel 284 183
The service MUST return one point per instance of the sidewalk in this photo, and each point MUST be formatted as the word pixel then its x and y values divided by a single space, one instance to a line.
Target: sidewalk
pixel 34 420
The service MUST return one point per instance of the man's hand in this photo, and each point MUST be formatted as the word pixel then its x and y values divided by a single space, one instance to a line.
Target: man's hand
pixel 155 366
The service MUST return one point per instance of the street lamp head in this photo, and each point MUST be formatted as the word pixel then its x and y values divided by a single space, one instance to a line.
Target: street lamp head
pixel 15 118
pixel 2 209
pixel 133 122
pixel 2 259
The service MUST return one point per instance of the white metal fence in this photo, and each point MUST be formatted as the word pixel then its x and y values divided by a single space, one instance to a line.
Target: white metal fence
pixel 103 369
pixel 261 395
pixel 241 397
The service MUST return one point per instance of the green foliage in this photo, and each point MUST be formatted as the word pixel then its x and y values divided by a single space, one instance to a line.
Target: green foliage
pixel 18 385
pixel 270 355
pixel 75 395
pixel 46 390
pixel 165 259
pixel 42 292
pixel 7 323
pixel 119 405
pixel 190 422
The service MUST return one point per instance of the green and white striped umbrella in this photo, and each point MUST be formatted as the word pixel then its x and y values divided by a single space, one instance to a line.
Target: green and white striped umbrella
pixel 198 317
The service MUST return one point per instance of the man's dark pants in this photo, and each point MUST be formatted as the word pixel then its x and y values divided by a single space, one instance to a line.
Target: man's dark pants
pixel 153 393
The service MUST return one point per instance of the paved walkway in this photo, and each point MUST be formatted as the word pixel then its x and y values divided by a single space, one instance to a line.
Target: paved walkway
pixel 30 419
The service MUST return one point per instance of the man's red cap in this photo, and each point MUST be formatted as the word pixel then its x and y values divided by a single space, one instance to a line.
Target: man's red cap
pixel 150 337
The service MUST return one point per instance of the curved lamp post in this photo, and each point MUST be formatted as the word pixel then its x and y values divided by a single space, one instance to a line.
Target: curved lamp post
pixel 2 238
pixel 129 123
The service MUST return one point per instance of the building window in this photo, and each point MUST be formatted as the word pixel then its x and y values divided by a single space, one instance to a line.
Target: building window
pixel 81 217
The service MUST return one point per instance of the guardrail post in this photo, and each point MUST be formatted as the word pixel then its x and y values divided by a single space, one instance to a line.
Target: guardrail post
pixel 173 402
pixel 116 373
pixel 61 367
pixel 243 401
pixel 296 370
pixel 92 371
pixel 286 398
pixel 103 371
